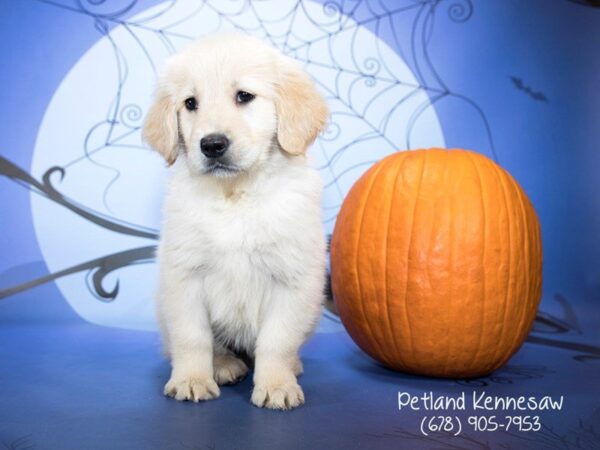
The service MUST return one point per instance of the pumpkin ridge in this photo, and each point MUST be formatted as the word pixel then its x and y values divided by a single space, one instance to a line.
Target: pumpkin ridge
pixel 342 225
pixel 365 202
pixel 454 344
pixel 387 234
pixel 526 234
pixel 451 284
pixel 410 239
pixel 483 225
pixel 510 265
pixel 538 247
pixel 498 280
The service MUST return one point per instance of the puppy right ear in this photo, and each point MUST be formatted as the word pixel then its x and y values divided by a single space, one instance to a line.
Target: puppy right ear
pixel 160 126
pixel 301 110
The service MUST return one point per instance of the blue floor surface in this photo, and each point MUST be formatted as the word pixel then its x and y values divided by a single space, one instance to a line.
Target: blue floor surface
pixel 80 386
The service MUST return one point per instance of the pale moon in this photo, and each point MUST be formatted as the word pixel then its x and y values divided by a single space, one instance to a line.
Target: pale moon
pixel 91 130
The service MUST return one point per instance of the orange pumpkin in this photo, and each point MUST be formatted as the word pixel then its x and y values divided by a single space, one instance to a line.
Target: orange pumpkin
pixel 436 263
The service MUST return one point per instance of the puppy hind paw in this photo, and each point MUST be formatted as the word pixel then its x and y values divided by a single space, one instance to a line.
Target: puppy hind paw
pixel 192 389
pixel 283 396
pixel 229 369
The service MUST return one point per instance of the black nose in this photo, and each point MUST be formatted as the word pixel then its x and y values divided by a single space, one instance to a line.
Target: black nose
pixel 214 145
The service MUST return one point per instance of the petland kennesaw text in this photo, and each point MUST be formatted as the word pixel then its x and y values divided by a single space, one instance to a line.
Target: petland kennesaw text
pixel 479 401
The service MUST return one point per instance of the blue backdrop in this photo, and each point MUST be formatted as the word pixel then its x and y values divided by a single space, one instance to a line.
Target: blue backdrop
pixel 515 80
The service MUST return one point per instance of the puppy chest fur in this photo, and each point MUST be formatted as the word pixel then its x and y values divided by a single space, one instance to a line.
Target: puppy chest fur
pixel 244 249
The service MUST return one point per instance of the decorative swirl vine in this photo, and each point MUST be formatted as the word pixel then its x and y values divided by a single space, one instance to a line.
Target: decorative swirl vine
pixel 100 267
pixel 130 116
pixel 460 11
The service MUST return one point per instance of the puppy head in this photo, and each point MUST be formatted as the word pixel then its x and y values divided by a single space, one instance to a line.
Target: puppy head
pixel 227 102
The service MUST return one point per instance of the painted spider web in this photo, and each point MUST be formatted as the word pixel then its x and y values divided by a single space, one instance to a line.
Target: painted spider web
pixel 357 51
pixel 369 58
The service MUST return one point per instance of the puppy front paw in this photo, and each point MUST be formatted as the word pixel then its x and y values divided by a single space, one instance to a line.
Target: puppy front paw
pixel 192 388
pixel 229 369
pixel 278 396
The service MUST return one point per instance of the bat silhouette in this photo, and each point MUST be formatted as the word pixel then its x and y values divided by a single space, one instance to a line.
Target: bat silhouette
pixel 536 95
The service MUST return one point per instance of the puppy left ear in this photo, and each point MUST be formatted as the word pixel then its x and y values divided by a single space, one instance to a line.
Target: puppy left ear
pixel 301 110
pixel 160 127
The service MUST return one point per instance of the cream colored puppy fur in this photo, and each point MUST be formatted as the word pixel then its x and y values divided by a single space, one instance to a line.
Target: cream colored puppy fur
pixel 242 251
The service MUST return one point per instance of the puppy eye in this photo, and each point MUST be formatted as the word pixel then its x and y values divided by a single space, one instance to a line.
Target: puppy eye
pixel 244 97
pixel 191 104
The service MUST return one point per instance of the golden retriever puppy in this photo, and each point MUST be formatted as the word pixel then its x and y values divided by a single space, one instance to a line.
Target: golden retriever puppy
pixel 242 251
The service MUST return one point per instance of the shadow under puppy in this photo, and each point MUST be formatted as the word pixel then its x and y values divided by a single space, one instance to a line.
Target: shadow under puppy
pixel 242 251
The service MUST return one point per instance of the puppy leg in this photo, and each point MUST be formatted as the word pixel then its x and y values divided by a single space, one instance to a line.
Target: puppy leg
pixel 228 369
pixel 298 367
pixel 283 331
pixel 190 341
